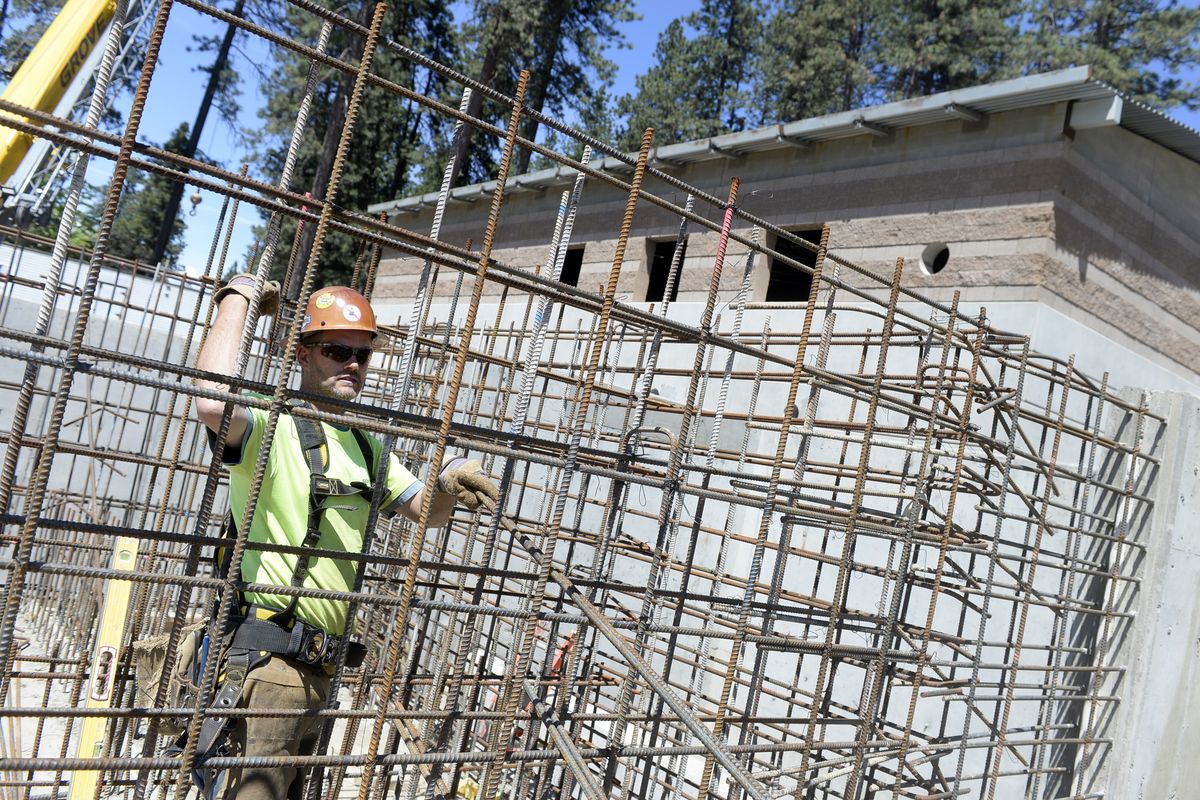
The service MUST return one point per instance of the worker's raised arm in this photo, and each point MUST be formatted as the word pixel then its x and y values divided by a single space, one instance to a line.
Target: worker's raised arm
pixel 220 351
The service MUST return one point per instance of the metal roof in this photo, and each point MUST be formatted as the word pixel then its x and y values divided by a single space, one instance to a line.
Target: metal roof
pixel 1074 84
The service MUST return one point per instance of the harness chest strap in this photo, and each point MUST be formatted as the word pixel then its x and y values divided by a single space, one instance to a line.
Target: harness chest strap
pixel 316 451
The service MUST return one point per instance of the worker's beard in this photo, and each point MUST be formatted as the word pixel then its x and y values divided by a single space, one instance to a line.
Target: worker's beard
pixel 336 387
pixel 347 389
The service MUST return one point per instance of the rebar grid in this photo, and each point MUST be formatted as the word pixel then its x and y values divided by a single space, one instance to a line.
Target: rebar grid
pixel 868 547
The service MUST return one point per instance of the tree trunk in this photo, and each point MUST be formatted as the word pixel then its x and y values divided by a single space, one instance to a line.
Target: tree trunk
pixel 462 148
pixel 487 74
pixel 333 132
pixel 549 45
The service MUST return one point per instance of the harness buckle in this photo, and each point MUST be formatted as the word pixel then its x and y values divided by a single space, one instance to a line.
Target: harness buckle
pixel 313 649
pixel 235 673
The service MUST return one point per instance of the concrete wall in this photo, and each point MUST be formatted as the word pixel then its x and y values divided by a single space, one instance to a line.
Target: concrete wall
pixel 1147 749
pixel 1156 728
pixel 133 316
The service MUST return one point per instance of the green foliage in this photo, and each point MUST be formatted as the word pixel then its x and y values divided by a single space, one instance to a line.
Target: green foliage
pixel 821 56
pixel 400 149
pixel 699 86
pixel 568 71
pixel 1141 47
pixel 931 46
pixel 496 46
pixel 718 69
pixel 228 88
pixel 396 149
pixel 561 43
pixel 139 214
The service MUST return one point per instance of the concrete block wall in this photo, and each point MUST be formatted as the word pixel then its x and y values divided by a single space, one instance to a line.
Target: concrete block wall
pixel 1098 224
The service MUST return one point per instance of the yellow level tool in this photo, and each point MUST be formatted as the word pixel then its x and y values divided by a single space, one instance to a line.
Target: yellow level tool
pixel 103 672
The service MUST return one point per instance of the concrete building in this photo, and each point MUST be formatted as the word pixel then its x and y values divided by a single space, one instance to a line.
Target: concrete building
pixel 1069 212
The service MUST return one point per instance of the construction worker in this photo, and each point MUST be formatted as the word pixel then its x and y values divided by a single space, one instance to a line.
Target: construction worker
pixel 316 492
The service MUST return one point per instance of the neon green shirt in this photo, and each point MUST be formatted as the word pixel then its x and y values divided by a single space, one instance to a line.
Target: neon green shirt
pixel 281 514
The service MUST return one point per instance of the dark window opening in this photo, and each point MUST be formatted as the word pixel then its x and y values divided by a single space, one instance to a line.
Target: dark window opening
pixel 571 266
pixel 660 269
pixel 788 284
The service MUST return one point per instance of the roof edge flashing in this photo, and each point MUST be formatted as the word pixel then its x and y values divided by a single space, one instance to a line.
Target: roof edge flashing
pixel 1094 104
pixel 1103 112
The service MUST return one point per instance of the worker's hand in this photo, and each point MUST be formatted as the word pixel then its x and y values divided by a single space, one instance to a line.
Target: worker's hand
pixel 243 284
pixel 468 483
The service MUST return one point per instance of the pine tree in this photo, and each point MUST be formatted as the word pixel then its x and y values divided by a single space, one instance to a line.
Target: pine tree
pixel 139 213
pixel 1141 47
pixel 822 55
pixel 931 46
pixel 819 57
pixel 561 43
pixel 699 85
pixel 499 30
pixel 396 147
pixel 226 99
pixel 569 70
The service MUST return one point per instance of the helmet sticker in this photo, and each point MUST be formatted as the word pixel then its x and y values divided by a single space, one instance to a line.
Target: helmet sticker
pixel 307 321
pixel 352 313
pixel 324 300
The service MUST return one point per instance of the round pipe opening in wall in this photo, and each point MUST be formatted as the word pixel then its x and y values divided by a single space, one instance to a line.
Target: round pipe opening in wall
pixel 934 258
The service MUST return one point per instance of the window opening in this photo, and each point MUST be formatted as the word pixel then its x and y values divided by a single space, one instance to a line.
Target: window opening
pixel 660 269
pixel 787 284
pixel 572 264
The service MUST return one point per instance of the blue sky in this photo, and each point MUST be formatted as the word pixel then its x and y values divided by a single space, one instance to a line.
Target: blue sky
pixel 177 87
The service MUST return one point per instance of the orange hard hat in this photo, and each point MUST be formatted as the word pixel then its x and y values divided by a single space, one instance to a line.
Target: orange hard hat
pixel 338 308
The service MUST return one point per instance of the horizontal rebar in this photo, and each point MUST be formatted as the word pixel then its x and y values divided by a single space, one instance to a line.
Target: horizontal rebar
pixel 866 544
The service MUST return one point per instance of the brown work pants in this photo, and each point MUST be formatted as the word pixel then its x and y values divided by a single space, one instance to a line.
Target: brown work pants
pixel 277 684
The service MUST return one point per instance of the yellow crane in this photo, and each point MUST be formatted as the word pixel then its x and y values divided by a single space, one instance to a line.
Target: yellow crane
pixel 50 68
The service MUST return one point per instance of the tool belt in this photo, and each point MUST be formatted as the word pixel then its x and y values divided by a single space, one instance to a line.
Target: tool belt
pixel 257 635
pixel 295 639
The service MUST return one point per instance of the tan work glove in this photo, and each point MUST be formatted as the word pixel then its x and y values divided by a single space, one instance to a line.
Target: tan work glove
pixel 243 284
pixel 466 480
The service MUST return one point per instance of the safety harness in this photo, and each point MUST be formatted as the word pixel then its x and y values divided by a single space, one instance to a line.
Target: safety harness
pixel 260 632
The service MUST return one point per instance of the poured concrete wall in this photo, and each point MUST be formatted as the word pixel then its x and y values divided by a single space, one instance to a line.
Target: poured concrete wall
pixel 1156 728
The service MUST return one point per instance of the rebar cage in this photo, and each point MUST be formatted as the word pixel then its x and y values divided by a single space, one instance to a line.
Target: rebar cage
pixel 863 546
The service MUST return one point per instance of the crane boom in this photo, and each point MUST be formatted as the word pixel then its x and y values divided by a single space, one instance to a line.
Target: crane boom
pixel 50 68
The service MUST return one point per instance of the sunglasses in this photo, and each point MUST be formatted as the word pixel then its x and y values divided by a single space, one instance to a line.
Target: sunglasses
pixel 341 353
